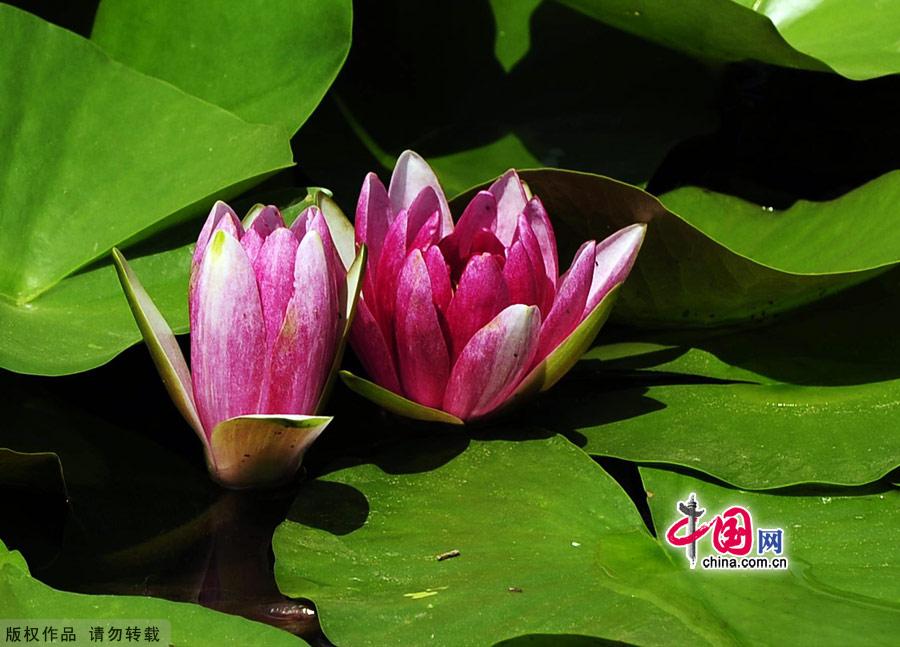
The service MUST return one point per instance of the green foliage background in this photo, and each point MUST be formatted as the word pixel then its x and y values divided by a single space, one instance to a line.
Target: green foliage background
pixel 752 359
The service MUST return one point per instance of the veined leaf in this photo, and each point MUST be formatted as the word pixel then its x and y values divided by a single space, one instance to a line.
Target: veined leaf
pixel 812 398
pixel 543 541
pixel 855 39
pixel 104 158
pixel 266 61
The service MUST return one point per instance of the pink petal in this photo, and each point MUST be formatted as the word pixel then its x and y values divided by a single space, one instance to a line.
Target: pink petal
pixel 252 242
pixel 420 212
pixel 319 224
pixel 421 350
pixel 274 268
pixel 305 346
pixel 520 277
pixel 373 351
pixel 545 281
pixel 481 294
pixel 305 222
pixel 511 202
pixel 613 259
pixel 537 218
pixel 313 219
pixel 373 217
pixel 440 278
pixel 393 255
pixel 493 362
pixel 428 234
pixel 223 217
pixel 480 213
pixel 568 306
pixel 227 333
pixel 485 242
pixel 411 175
pixel 263 220
pixel 301 222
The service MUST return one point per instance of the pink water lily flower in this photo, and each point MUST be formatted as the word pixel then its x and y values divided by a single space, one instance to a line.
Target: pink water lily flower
pixel 455 323
pixel 270 307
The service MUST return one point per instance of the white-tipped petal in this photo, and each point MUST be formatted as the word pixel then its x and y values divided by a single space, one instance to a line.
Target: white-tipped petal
pixel 228 338
pixel 493 362
pixel 511 201
pixel 613 259
pixel 411 175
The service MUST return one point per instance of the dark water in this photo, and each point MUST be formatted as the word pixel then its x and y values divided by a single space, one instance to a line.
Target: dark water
pixel 137 514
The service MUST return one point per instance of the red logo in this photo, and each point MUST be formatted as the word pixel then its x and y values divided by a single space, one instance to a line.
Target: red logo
pixel 732 532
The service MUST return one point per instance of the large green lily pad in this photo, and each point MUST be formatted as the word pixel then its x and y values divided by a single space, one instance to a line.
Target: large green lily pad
pixel 529 520
pixel 24 598
pixel 809 399
pixel 84 321
pixel 755 436
pixel 548 544
pixel 105 158
pixel 855 39
pixel 843 235
pixel 266 61
pixel 840 549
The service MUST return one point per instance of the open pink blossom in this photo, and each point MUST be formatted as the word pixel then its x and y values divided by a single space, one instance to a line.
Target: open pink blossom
pixel 269 310
pixel 456 322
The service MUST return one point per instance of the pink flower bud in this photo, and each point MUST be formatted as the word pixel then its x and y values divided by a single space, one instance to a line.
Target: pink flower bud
pixel 269 309
pixel 463 319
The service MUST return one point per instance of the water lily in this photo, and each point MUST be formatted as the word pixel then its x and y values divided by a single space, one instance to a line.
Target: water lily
pixel 270 308
pixel 457 322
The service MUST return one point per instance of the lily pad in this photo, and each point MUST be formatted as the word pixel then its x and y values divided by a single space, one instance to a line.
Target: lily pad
pixel 542 541
pixel 266 61
pixel 106 158
pixel 513 39
pixel 857 40
pixel 755 436
pixel 809 399
pixel 23 597
pixel 524 517
pixel 84 321
pixel 694 271
pixel 838 543
pixel 844 235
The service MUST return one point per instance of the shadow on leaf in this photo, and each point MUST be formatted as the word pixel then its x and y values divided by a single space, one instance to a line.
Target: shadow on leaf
pixel 333 507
